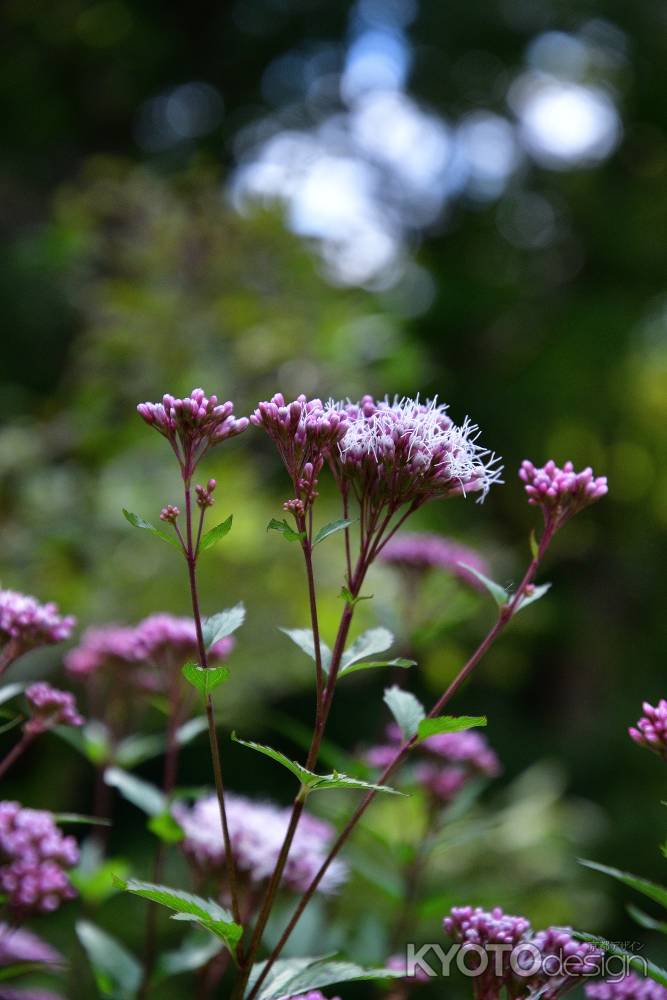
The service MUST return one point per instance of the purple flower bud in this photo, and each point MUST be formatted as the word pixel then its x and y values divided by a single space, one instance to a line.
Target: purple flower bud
pixel 651 729
pixel 50 707
pixel 170 513
pixel 561 493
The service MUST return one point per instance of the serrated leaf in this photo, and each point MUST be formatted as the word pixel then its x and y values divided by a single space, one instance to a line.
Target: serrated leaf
pixel 10 691
pixel 643 965
pixel 117 972
pixel 209 914
pixel 303 638
pixel 406 709
pixel 330 529
pixel 652 890
pixel 289 977
pixel 498 593
pixel 368 664
pixel 285 530
pixel 137 521
pixel 205 679
pixel 215 534
pixel 448 724
pixel 196 951
pixel 166 828
pixel 140 793
pixel 375 640
pixel 309 780
pixel 222 624
pixel 644 920
pixel 534 595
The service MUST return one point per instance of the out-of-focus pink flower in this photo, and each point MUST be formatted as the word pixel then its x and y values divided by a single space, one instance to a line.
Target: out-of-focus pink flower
pixel 651 730
pixel 34 856
pixel 20 945
pixel 25 623
pixel 422 551
pixel 50 707
pixel 257 831
pixel 630 987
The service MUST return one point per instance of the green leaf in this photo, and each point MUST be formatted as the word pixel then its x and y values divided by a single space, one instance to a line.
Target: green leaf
pixel 96 885
pixel 205 679
pixel 303 638
pixel 137 521
pixel 448 724
pixel 196 950
pixel 288 533
pixel 205 912
pixel 375 640
pixel 534 595
pixel 406 709
pixel 140 793
pixel 638 962
pixel 367 664
pixel 137 748
pixel 222 624
pixel 534 547
pixel 166 828
pixel 309 781
pixel 498 593
pixel 17 969
pixel 92 741
pixel 292 976
pixel 117 972
pixel 190 730
pixel 78 818
pixel 215 534
pixel 644 920
pixel 350 599
pixel 10 691
pixel 12 724
pixel 657 893
pixel 330 529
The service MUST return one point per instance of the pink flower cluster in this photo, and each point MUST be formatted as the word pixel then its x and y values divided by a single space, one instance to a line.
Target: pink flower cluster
pixel 28 993
pixel 34 856
pixel 651 730
pixel 630 987
pixel 422 552
pixel 50 707
pixel 161 640
pixel 547 963
pixel 313 995
pixel 257 831
pixel 192 425
pixel 19 945
pixel 561 493
pixel 26 623
pixel 445 763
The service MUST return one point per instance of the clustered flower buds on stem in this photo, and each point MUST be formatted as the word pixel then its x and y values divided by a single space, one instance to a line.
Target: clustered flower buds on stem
pixel 651 730
pixel 34 858
pixel 561 493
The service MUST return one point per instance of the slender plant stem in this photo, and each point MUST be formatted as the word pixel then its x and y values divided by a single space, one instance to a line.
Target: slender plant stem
pixel 504 617
pixel 10 653
pixel 191 559
pixel 15 752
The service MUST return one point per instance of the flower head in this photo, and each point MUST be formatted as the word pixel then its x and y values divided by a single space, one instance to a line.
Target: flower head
pixel 423 552
pixel 561 493
pixel 50 707
pixel 34 857
pixel 257 831
pixel 192 425
pixel 651 730
pixel 20 945
pixel 25 623
pixel 630 987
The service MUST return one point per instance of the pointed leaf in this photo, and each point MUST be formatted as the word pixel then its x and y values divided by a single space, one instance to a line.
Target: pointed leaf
pixel 65 817
pixel 222 624
pixel 644 920
pixel 448 724
pixel 288 533
pixel 289 977
pixel 303 638
pixel 534 595
pixel 406 709
pixel 310 781
pixel 330 529
pixel 140 793
pixel 643 966
pixel 166 828
pixel 206 912
pixel 137 521
pixel 534 547
pixel 498 593
pixel 215 534
pixel 375 640
pixel 367 664
pixel 656 892
pixel 117 972
pixel 205 679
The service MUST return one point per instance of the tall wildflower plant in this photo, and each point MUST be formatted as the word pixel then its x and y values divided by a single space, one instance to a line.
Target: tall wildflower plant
pixel 386 458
